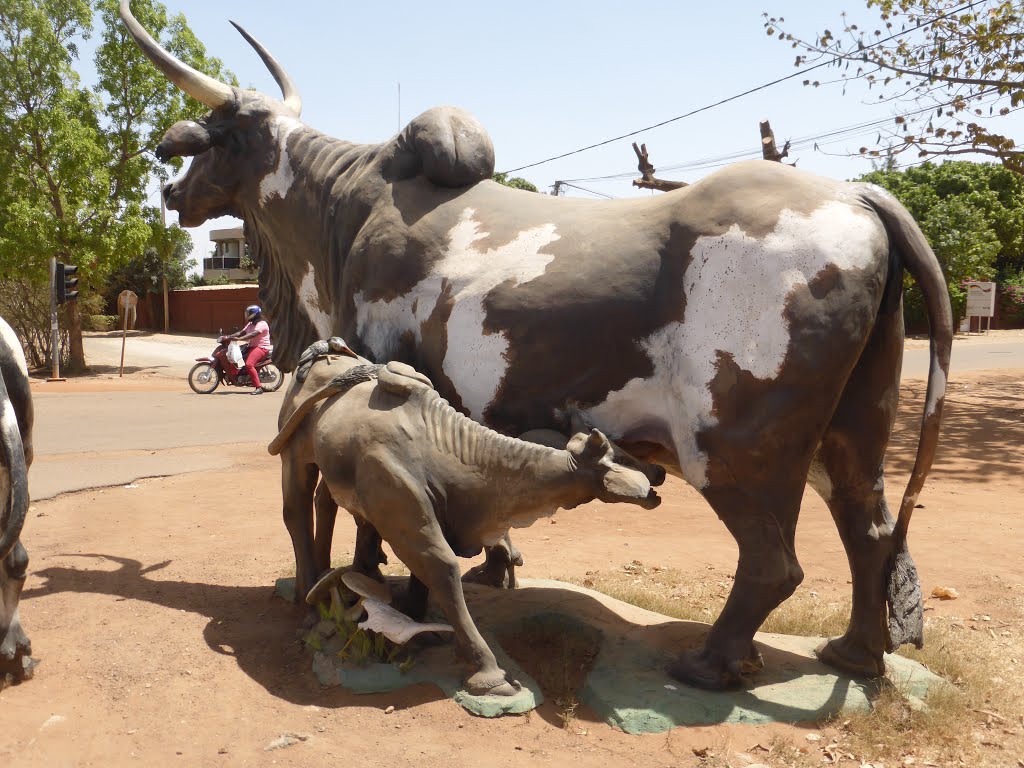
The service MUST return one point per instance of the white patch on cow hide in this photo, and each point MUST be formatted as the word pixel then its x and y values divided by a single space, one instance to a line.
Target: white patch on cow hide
pixel 938 383
pixel 10 340
pixel 8 420
pixel 736 290
pixel 280 180
pixel 475 358
pixel 309 298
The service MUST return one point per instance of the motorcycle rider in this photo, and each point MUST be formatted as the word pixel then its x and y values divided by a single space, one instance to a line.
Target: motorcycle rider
pixel 257 333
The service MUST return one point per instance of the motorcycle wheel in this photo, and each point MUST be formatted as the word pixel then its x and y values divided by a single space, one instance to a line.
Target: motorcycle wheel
pixel 203 378
pixel 271 378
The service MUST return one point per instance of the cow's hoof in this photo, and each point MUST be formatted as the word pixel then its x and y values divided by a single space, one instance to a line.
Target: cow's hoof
pixel 491 684
pixel 851 658
pixel 489 576
pixel 711 672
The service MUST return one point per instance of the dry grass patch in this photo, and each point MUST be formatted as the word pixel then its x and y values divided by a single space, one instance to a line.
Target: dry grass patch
pixel 977 721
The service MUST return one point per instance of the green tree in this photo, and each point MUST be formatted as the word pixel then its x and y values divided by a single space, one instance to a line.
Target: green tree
pixel 166 257
pixel 516 182
pixel 973 217
pixel 74 158
pixel 953 68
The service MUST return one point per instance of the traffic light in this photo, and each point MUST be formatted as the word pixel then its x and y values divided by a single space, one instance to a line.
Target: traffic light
pixel 65 282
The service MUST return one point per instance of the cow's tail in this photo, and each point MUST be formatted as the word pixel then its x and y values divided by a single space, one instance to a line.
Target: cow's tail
pixel 336 386
pixel 15 506
pixel 906 616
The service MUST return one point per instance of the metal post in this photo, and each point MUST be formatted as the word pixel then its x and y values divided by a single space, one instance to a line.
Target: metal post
pixel 54 330
pixel 163 222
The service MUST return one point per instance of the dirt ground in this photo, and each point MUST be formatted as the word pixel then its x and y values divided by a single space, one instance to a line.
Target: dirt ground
pixel 151 609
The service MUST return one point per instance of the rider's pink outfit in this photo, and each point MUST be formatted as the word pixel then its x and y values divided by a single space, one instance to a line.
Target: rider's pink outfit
pixel 259 348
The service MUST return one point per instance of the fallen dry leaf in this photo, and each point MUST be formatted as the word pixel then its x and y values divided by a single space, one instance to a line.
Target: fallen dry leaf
pixel 945 593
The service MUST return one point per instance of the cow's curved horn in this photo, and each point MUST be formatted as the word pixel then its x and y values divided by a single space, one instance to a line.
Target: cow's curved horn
pixel 292 99
pixel 211 92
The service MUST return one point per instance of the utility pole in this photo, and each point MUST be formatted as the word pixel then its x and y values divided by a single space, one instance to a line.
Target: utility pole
pixel 54 330
pixel 556 189
pixel 163 223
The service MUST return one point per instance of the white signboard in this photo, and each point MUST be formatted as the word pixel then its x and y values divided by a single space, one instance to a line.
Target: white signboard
pixel 981 299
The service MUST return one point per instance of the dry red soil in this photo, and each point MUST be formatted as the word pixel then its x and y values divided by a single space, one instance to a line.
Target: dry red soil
pixel 152 612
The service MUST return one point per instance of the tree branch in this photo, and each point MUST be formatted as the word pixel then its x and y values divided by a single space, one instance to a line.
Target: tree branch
pixel 647 179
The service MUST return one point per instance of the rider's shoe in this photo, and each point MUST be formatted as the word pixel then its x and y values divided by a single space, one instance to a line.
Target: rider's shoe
pixel 257 391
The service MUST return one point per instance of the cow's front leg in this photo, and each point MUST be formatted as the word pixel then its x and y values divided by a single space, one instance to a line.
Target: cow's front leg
pixel 14 643
pixel 298 483
pixel 499 568
pixel 767 573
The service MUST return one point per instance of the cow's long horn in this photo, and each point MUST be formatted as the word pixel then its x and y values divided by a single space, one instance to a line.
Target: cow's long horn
pixel 211 92
pixel 292 99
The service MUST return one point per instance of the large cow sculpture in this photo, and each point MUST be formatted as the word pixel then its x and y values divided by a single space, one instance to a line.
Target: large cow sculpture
pixel 746 331
pixel 15 458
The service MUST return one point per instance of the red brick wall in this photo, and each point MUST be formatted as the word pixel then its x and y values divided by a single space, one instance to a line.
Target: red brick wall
pixel 207 310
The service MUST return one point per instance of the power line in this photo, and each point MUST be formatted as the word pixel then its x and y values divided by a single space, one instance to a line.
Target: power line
pixel 831 136
pixel 589 191
pixel 747 92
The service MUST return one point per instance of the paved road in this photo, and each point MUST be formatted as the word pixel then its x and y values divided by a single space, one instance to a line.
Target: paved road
pixel 967 357
pixel 94 439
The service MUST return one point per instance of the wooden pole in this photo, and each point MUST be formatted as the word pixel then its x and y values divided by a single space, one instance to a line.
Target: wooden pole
pixel 124 337
pixel 163 222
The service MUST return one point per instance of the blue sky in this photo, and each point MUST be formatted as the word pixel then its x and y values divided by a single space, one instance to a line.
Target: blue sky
pixel 549 77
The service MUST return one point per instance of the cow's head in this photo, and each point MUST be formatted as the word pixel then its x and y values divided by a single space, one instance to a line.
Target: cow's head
pixel 235 146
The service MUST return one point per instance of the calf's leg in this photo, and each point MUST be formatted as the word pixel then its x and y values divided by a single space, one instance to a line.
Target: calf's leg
pixel 403 515
pixel 298 484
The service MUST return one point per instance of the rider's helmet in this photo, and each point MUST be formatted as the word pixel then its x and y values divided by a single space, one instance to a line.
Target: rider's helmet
pixel 252 313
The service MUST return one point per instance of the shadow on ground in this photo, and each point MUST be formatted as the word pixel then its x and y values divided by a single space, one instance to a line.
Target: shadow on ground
pixel 982 435
pixel 260 633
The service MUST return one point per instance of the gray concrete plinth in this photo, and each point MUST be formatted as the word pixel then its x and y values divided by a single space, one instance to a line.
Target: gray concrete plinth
pixel 627 685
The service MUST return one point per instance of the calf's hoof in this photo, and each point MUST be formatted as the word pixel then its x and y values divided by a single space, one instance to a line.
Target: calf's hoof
pixel 489 576
pixel 850 657
pixel 492 684
pixel 713 672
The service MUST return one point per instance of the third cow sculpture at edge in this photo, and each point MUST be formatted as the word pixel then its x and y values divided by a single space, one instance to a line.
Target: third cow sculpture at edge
pixel 745 332
pixel 431 482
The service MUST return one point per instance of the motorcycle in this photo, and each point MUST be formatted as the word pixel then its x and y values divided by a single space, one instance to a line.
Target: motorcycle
pixel 210 372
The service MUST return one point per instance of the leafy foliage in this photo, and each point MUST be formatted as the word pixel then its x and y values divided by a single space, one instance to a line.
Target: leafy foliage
pixel 165 257
pixel 516 182
pixel 953 67
pixel 973 217
pixel 75 159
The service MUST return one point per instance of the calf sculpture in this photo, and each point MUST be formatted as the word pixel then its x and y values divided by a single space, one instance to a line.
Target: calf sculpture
pixel 431 482
pixel 15 458
pixel 746 332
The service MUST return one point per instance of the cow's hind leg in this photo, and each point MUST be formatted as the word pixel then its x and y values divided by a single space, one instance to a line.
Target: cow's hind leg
pixel 763 525
pixel 847 473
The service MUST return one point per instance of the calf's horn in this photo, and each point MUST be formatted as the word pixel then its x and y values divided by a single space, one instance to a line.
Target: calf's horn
pixel 292 99
pixel 211 92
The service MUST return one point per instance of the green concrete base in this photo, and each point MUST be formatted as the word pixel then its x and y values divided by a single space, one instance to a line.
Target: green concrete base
pixel 628 686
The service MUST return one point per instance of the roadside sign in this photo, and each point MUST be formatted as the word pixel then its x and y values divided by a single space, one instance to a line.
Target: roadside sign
pixel 127 301
pixel 981 301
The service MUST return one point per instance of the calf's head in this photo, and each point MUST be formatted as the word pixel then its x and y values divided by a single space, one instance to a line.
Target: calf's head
pixel 607 480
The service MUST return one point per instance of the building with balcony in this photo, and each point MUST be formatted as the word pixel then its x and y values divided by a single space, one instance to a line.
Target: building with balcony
pixel 226 260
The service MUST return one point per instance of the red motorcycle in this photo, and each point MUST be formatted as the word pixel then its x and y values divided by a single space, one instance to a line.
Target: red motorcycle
pixel 210 372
